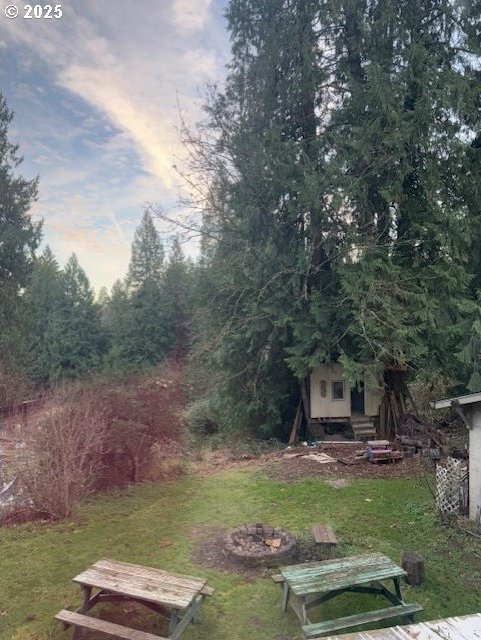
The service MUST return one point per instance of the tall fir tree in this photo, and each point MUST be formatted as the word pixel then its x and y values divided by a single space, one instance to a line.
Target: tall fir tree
pixel 335 157
pixel 19 237
pixel 120 328
pixel 75 332
pixel 148 341
pixel 147 258
pixel 44 299
pixel 177 300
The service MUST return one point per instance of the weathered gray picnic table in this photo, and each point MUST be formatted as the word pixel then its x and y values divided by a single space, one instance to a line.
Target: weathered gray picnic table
pixel 308 585
pixel 175 597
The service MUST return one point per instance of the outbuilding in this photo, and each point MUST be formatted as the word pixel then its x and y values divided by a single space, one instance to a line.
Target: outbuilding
pixel 469 408
pixel 333 400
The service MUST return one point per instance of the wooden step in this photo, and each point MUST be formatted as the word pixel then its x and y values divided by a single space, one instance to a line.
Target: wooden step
pixel 102 626
pixel 317 630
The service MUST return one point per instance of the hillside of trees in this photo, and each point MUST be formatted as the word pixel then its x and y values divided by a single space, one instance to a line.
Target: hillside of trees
pixel 338 176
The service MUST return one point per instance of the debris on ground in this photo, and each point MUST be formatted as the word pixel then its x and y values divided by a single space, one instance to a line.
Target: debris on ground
pixel 322 458
pixel 382 451
pixel 349 461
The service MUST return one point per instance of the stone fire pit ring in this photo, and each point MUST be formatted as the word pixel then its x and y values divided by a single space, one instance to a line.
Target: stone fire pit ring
pixel 258 545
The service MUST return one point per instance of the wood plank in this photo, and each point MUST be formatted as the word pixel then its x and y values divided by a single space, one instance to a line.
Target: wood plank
pixel 457 629
pixel 152 573
pixel 102 626
pixel 324 534
pixel 330 575
pixel 321 628
pixel 326 566
pixel 464 625
pixel 331 583
pixel 139 588
pixel 147 583
pixel 144 583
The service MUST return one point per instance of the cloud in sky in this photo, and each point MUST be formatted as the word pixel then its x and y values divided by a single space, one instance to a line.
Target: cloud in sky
pixel 96 96
pixel 190 16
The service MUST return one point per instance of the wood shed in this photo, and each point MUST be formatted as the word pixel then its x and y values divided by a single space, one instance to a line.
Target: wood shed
pixel 469 408
pixel 333 400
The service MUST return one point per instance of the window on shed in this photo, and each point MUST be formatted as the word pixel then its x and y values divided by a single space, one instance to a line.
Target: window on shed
pixel 338 389
pixel 323 388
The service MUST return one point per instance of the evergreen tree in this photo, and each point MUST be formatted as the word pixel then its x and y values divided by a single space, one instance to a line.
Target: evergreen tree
pixel 148 340
pixel 75 331
pixel 44 300
pixel 337 226
pixel 120 328
pixel 146 263
pixel 176 300
pixel 19 237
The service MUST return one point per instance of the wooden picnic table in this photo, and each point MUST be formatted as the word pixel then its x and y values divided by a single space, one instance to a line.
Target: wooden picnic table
pixel 308 585
pixel 176 597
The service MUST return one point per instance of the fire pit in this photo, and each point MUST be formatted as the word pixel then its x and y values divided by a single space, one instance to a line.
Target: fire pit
pixel 260 545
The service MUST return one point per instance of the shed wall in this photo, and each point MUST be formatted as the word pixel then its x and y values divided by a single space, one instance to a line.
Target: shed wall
pixel 372 400
pixel 327 407
pixel 475 462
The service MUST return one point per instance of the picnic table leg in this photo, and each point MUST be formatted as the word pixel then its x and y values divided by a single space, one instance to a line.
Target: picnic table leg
pixel 174 620
pixel 397 588
pixel 87 592
pixel 187 618
pixel 285 595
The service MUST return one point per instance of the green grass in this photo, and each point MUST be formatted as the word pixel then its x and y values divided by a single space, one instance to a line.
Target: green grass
pixel 152 525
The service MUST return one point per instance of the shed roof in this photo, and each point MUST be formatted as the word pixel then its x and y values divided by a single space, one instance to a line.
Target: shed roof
pixel 470 398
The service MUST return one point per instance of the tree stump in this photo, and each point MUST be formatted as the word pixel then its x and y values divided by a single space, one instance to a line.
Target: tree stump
pixel 413 564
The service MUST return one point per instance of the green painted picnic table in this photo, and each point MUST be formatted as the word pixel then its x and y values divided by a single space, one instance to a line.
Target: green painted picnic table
pixel 307 585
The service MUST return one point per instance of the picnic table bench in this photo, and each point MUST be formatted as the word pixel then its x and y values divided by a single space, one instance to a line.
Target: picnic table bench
pixel 175 597
pixel 307 585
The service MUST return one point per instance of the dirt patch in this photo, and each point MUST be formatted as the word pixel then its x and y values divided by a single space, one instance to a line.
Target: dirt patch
pixel 207 462
pixel 338 483
pixel 293 468
pixel 210 552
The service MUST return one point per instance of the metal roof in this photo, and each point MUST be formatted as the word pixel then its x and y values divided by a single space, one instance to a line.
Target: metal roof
pixel 470 398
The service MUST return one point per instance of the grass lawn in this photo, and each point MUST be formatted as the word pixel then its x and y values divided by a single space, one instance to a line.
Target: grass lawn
pixel 154 525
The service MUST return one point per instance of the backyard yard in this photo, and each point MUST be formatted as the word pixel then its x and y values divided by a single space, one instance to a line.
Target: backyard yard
pixel 176 525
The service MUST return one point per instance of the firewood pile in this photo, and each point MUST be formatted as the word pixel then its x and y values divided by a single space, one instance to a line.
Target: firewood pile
pixel 417 437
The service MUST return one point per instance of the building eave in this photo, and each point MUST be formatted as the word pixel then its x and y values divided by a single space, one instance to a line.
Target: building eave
pixel 470 398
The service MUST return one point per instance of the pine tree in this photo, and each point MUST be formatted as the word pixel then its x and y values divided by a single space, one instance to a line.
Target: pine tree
pixel 44 299
pixel 75 330
pixel 19 237
pixel 120 329
pixel 148 340
pixel 146 263
pixel 176 300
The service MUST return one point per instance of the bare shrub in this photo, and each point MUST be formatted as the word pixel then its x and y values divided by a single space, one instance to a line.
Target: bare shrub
pixel 99 435
pixel 143 413
pixel 63 458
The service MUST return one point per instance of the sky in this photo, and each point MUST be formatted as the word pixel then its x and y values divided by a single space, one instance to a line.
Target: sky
pixel 96 95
